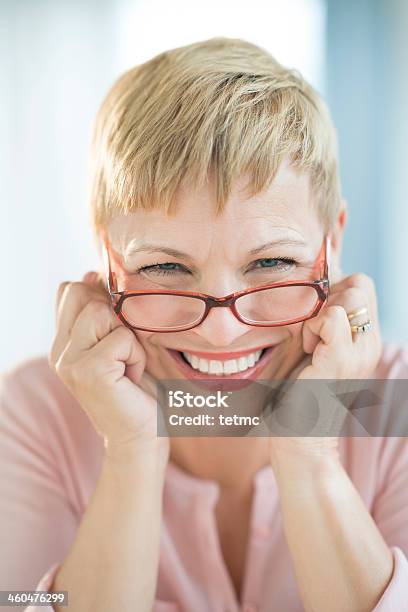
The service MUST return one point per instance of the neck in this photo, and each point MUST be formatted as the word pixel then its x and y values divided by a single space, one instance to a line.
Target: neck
pixel 232 462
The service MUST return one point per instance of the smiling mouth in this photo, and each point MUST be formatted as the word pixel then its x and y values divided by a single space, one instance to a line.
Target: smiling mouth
pixel 222 361
pixel 245 367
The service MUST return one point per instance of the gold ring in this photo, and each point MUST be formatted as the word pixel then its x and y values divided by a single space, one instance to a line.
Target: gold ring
pixel 364 327
pixel 361 311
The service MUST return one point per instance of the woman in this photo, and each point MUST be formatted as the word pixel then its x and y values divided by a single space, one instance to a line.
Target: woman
pixel 215 172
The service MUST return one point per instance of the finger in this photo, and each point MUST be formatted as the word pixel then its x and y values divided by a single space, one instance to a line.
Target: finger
pixel 356 299
pixel 367 296
pixel 329 336
pixel 148 383
pixel 73 298
pixel 360 294
pixel 352 299
pixel 109 358
pixel 310 339
pixel 122 346
pixel 340 285
pixel 332 329
pixel 60 291
pixel 95 321
pixel 358 280
pixel 96 280
pixel 90 278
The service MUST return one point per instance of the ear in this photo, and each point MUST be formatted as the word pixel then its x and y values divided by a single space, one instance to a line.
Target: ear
pixel 337 234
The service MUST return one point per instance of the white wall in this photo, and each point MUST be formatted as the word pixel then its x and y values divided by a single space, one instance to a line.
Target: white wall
pixel 57 60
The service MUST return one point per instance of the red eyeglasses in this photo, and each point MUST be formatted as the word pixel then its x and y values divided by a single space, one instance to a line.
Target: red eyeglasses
pixel 271 305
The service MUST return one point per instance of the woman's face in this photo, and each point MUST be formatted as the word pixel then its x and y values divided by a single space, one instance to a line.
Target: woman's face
pixel 218 262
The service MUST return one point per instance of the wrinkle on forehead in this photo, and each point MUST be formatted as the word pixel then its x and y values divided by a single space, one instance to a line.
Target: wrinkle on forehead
pixel 282 209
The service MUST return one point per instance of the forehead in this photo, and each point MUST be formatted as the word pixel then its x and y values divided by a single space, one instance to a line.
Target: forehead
pixel 285 208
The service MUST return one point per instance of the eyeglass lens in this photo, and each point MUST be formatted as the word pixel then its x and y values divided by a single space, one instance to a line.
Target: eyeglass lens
pixel 267 306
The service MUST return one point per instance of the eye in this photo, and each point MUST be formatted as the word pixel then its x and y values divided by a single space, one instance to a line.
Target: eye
pixel 164 269
pixel 273 263
pixel 170 268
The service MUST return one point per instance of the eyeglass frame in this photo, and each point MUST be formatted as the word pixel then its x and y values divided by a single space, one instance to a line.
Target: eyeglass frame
pixel 321 286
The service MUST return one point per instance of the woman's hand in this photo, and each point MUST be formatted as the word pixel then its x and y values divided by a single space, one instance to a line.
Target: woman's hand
pixel 335 353
pixel 103 365
pixel 333 541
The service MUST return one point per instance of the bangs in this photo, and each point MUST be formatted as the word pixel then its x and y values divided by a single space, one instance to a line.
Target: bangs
pixel 224 108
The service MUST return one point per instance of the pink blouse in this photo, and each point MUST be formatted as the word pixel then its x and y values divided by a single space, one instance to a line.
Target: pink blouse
pixel 50 458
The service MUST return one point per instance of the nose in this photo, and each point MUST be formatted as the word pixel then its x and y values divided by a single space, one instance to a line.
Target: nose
pixel 221 327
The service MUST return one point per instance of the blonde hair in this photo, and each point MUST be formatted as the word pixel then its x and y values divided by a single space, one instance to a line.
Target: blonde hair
pixel 222 105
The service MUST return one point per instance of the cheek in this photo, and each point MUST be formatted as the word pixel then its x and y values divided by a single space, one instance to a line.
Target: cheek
pixel 294 340
pixel 296 331
pixel 290 344
pixel 156 356
pixel 147 341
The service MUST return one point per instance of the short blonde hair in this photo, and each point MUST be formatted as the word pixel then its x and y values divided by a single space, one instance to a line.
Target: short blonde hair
pixel 222 105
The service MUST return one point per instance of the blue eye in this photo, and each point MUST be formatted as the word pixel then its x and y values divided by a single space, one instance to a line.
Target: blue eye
pixel 164 269
pixel 275 262
pixel 170 268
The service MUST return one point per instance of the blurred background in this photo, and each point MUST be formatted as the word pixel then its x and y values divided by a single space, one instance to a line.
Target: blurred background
pixel 58 59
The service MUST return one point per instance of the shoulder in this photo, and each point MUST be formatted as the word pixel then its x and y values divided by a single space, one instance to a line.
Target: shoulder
pixel 43 425
pixel 34 401
pixel 392 372
pixel 378 455
pixel 32 384
pixel 30 373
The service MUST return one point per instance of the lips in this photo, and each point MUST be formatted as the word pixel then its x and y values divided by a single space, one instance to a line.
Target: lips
pixel 218 382
pixel 224 356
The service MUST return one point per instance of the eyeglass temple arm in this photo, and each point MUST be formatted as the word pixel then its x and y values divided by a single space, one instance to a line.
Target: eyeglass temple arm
pixel 106 260
pixel 327 256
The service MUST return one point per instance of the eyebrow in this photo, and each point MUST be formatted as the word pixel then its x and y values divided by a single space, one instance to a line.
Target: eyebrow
pixel 156 248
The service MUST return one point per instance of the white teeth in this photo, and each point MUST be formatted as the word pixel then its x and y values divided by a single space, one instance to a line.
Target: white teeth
pixel 243 363
pixel 203 365
pixel 231 366
pixel 251 359
pixel 216 367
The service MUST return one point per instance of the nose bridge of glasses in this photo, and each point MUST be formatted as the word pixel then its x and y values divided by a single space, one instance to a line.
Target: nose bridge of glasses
pixel 214 302
pixel 224 325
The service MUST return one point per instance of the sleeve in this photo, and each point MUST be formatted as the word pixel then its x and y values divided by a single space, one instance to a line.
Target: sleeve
pixel 390 512
pixel 37 521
